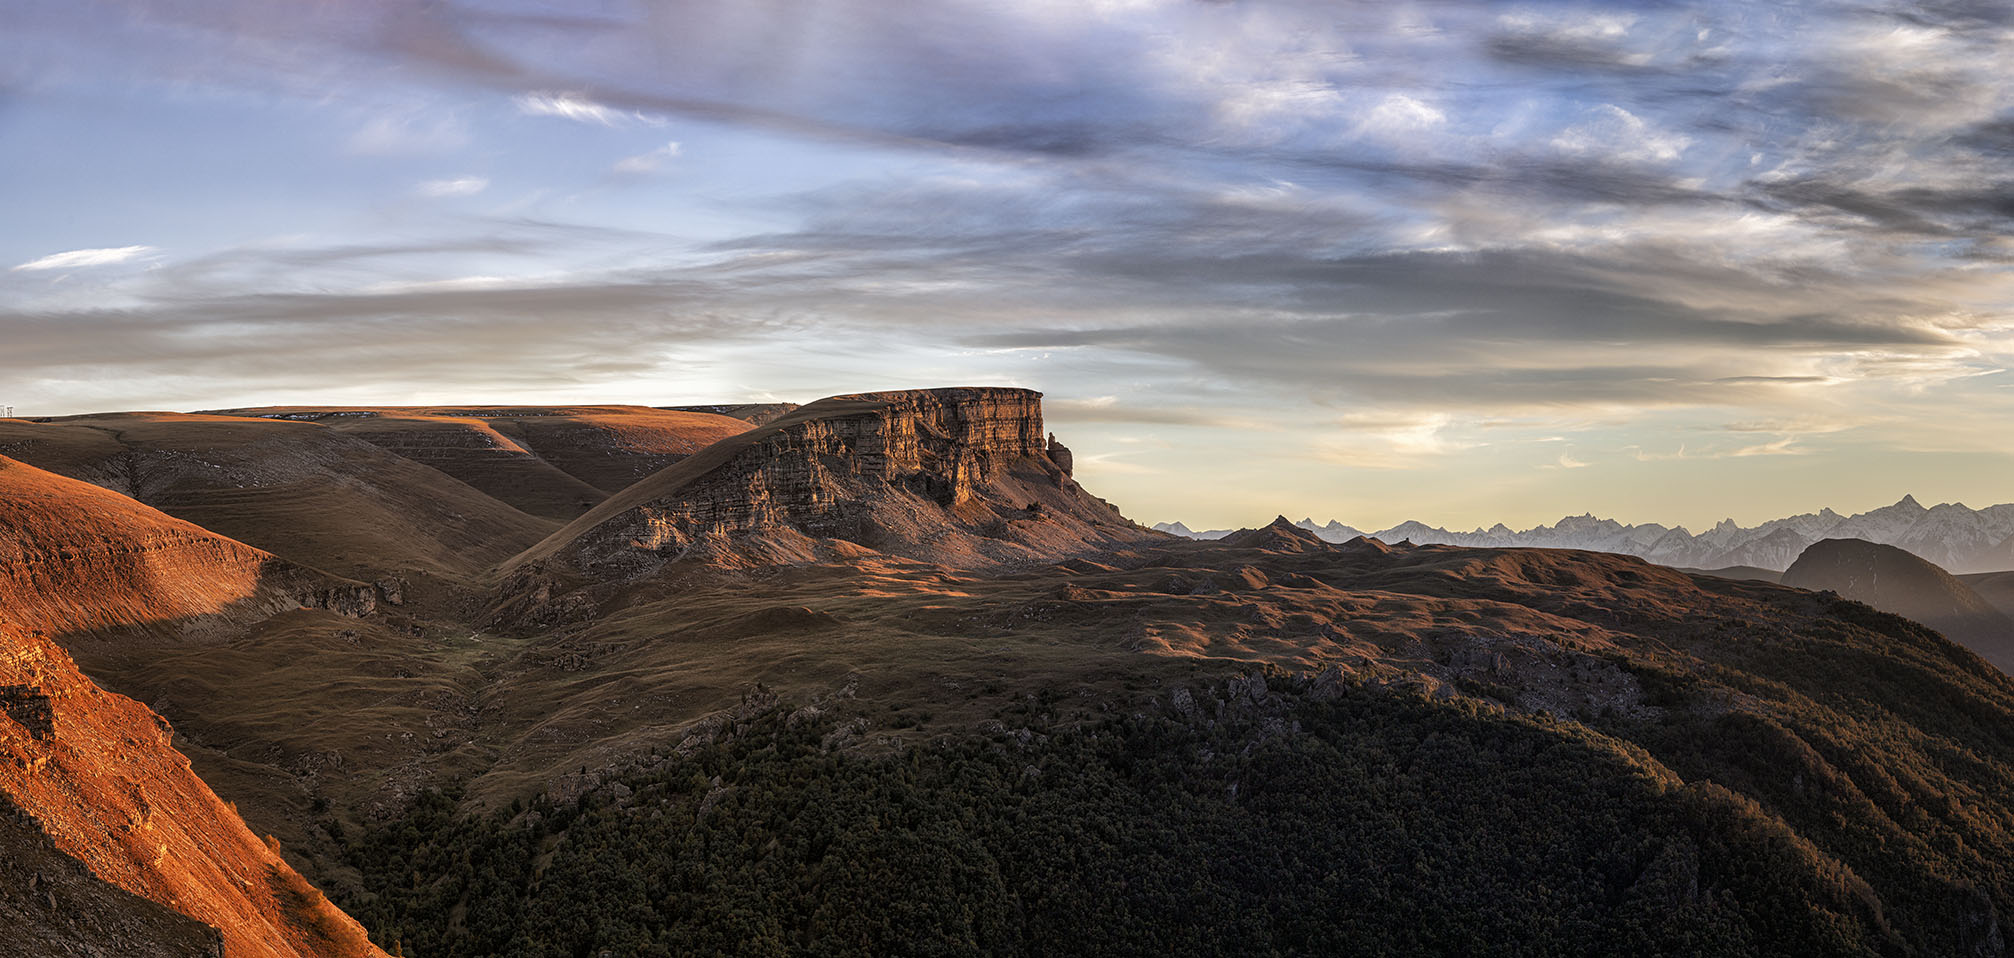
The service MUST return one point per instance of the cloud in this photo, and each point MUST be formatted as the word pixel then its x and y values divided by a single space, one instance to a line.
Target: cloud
pixel 649 162
pixel 488 334
pixel 572 106
pixel 85 257
pixel 459 186
pixel 1570 42
pixel 1110 409
pixel 409 131
pixel 1615 133
pixel 1660 218
pixel 1391 440
pixel 1786 446
pixel 1399 115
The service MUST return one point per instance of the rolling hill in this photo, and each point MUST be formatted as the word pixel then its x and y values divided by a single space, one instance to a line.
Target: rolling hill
pixel 553 462
pixel 77 560
pixel 1898 581
pixel 299 490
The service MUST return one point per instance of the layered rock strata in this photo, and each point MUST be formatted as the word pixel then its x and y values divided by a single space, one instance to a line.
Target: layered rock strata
pixel 962 476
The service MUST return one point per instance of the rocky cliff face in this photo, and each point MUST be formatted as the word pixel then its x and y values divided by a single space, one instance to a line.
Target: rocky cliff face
pixel 945 444
pixel 961 476
pixel 96 775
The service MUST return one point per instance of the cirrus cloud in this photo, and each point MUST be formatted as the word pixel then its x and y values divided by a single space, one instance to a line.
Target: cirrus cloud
pixel 75 258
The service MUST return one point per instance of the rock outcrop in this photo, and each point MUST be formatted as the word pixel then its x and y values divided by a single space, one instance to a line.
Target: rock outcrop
pixel 1280 535
pixel 1061 456
pixel 961 476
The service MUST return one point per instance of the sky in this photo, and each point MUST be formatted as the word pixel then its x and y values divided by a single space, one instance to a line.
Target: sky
pixel 1457 262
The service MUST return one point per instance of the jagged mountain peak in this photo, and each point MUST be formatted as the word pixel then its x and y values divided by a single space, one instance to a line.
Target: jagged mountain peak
pixel 1949 534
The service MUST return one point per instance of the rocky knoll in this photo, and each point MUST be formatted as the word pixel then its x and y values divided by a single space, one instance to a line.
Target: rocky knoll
pixel 78 559
pixel 965 477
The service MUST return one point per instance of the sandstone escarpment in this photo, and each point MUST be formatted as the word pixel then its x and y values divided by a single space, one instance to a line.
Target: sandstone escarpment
pixel 959 476
pixel 96 774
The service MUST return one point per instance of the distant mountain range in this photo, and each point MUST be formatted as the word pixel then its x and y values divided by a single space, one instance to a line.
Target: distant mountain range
pixel 1950 535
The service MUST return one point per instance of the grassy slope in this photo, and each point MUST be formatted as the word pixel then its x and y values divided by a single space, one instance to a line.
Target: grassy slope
pixel 552 462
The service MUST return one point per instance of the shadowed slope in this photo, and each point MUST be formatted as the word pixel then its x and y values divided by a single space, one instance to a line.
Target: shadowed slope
pixel 1997 588
pixel 1748 572
pixel 55 906
pixel 1802 740
pixel 1894 580
pixel 98 773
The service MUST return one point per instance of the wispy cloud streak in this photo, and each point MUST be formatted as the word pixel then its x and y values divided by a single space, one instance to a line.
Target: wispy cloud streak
pixel 76 258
